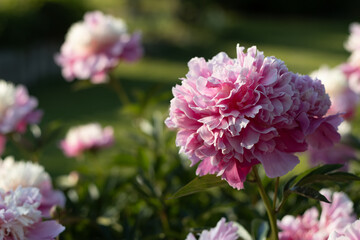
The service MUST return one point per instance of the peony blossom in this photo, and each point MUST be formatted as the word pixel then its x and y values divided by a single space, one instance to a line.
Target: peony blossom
pixel 343 99
pixel 351 232
pixel 17 110
pixel 335 216
pixel 26 174
pixel 222 231
pixel 95 46
pixel 232 114
pixel 87 137
pixel 20 218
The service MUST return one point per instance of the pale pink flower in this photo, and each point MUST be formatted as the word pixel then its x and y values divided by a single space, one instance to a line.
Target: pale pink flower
pixel 351 68
pixel 20 218
pixel 351 232
pixel 222 231
pixel 343 99
pixel 335 216
pixel 234 113
pixel 90 137
pixel 353 42
pixel 96 45
pixel 301 227
pixel 17 108
pixel 26 174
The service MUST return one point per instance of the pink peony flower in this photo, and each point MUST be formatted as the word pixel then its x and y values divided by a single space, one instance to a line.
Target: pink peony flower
pixel 234 113
pixel 87 137
pixel 300 227
pixel 20 218
pixel 26 174
pixel 222 231
pixel 17 108
pixel 335 216
pixel 95 46
pixel 343 99
pixel 351 232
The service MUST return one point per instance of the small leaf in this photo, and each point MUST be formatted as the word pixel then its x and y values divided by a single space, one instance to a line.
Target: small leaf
pixel 199 184
pixel 259 229
pixel 309 193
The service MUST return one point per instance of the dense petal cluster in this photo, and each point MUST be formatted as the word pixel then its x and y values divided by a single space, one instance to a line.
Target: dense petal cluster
pixel 234 113
pixel 222 231
pixel 351 232
pixel 20 218
pixel 351 68
pixel 96 45
pixel 343 99
pixel 26 174
pixel 335 216
pixel 87 137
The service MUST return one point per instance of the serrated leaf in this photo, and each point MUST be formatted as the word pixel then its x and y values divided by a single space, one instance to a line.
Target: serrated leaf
pixel 309 193
pixel 199 184
pixel 259 229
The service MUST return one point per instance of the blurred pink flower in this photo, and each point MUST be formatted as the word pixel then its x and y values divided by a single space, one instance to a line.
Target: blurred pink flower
pixel 234 113
pixel 353 42
pixel 87 137
pixel 351 68
pixel 300 227
pixel 351 232
pixel 20 218
pixel 17 108
pixel 26 174
pixel 95 46
pixel 343 99
pixel 335 216
pixel 222 231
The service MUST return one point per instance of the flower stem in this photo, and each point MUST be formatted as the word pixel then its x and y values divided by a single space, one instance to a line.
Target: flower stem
pixel 120 91
pixel 270 211
pixel 276 192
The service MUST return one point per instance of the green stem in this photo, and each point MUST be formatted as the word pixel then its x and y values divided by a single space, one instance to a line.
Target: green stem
pixel 120 91
pixel 270 211
pixel 276 192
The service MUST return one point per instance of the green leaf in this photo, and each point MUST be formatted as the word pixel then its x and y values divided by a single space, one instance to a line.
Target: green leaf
pixel 199 184
pixel 318 171
pixel 288 183
pixel 259 229
pixel 309 193
pixel 337 177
